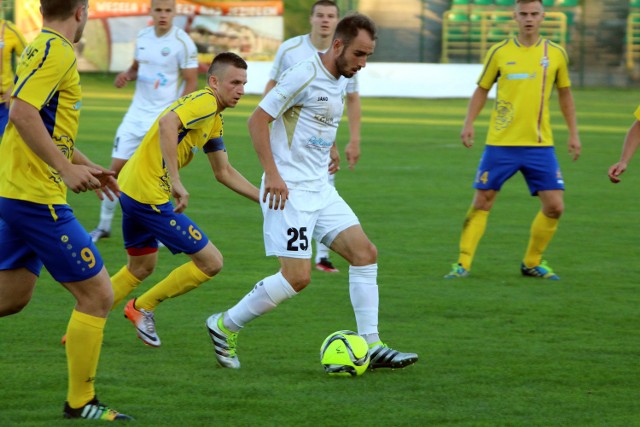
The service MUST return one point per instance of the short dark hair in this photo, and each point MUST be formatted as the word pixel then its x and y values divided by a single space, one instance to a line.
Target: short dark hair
pixel 349 26
pixel 224 59
pixel 60 9
pixel 324 3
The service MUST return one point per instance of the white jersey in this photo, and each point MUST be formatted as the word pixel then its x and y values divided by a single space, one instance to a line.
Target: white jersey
pixel 159 83
pixel 298 49
pixel 307 104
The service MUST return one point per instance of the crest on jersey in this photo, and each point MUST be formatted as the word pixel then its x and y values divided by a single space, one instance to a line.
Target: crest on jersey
pixel 544 62
pixel 165 51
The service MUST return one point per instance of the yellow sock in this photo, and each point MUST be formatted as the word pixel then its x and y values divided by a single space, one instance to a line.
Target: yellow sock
pixel 474 225
pixel 123 282
pixel 178 282
pixel 542 230
pixel 84 341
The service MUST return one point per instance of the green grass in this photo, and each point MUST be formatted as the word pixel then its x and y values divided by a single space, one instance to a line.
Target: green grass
pixel 496 349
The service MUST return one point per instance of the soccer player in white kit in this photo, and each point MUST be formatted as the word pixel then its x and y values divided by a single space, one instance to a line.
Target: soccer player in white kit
pixel 298 202
pixel 165 67
pixel 324 18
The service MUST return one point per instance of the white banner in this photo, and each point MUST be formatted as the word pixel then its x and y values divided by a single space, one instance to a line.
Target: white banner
pixel 397 80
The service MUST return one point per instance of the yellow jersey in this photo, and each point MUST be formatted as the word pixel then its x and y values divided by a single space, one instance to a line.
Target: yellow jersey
pixel 47 78
pixel 144 177
pixel 11 43
pixel 525 78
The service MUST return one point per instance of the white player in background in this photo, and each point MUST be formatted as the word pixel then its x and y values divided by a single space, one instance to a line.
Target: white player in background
pixel 165 67
pixel 324 18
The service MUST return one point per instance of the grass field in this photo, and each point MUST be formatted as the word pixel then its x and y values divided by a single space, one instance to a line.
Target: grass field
pixel 496 349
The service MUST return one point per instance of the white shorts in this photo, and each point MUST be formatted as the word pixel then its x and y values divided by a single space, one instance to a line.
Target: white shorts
pixel 128 137
pixel 320 215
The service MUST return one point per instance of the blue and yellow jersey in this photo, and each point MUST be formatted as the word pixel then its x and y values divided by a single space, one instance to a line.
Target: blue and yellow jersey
pixel 11 43
pixel 637 113
pixel 47 78
pixel 145 177
pixel 525 77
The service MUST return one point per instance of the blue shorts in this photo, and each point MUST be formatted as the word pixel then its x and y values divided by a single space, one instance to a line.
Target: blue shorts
pixel 4 116
pixel 538 165
pixel 33 234
pixel 143 225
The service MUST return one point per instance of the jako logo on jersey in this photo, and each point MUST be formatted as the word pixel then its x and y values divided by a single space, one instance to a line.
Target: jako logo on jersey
pixel 323 98
pixel 165 51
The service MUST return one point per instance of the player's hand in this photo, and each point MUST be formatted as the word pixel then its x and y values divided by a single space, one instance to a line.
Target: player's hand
pixel 180 195
pixel 352 152
pixel 81 178
pixel 334 162
pixel 6 97
pixel 108 184
pixel 466 135
pixel 121 80
pixel 575 147
pixel 276 190
pixel 616 170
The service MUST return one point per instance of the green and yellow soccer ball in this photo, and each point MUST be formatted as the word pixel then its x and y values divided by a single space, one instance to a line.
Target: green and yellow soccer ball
pixel 344 353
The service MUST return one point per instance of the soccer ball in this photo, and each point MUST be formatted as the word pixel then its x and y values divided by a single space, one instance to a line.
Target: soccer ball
pixel 344 353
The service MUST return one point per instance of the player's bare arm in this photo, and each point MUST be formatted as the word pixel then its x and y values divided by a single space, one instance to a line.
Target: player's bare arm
pixel 126 76
pixel 334 162
pixel 630 146
pixel 26 118
pixel 476 104
pixel 568 108
pixel 168 126
pixel 354 114
pixel 274 185
pixel 226 174
pixel 190 77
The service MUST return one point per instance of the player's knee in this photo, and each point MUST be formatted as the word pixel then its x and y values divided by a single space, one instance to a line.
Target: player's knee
pixel 210 262
pixel 299 281
pixel 554 210
pixel 366 255
pixel 141 271
pixel 213 267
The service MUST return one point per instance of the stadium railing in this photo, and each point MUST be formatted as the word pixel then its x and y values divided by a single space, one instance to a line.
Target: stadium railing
pixel 467 33
pixel 633 39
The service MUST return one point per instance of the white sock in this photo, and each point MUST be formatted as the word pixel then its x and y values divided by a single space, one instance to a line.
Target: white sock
pixel 264 297
pixel 363 289
pixel 107 210
pixel 322 251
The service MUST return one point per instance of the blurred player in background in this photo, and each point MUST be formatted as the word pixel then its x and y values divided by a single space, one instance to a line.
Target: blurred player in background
pixel 324 18
pixel 298 203
pixel 629 147
pixel 152 177
pixel 38 162
pixel 526 68
pixel 12 44
pixel 165 67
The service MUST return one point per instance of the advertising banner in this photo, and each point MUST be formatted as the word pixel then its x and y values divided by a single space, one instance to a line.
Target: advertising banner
pixel 251 28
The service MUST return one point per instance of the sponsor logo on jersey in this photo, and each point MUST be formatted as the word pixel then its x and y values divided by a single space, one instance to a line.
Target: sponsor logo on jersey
pixel 324 119
pixel 319 144
pixel 521 76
